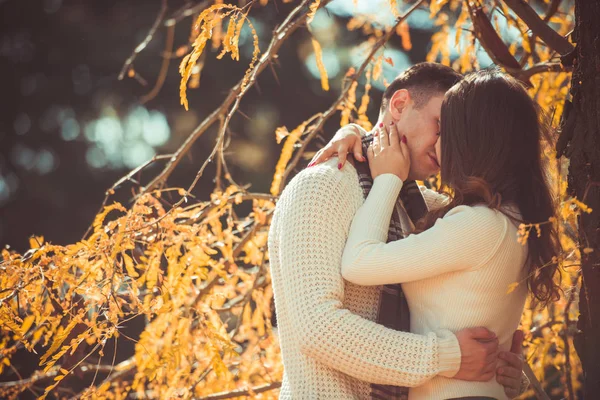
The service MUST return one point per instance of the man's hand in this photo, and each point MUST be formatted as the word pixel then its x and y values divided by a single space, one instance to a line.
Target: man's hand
pixel 347 139
pixel 479 354
pixel 509 375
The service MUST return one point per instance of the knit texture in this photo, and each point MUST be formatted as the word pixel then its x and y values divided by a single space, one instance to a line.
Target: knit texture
pixel 331 347
pixel 455 275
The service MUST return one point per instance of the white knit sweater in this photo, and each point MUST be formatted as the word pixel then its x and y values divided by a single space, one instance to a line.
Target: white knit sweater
pixel 331 349
pixel 455 275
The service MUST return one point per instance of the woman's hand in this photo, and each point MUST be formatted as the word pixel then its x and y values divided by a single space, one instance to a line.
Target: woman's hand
pixel 347 139
pixel 388 154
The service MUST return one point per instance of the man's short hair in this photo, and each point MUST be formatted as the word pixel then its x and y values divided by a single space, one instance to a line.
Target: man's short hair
pixel 423 81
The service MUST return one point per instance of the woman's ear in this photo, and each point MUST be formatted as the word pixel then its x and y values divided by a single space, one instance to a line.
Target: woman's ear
pixel 398 102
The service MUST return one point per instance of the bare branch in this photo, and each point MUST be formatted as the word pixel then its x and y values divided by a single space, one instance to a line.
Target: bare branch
pixel 36 377
pixel 490 40
pixel 540 68
pixel 552 9
pixel 241 392
pixel 539 27
pixel 164 68
pixel 140 47
pixel 186 11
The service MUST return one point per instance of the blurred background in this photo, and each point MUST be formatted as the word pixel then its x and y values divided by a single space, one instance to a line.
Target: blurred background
pixel 70 128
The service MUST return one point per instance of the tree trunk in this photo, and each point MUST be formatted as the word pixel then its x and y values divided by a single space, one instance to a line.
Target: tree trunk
pixel 580 141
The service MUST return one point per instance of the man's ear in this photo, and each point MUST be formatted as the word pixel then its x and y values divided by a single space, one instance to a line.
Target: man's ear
pixel 398 102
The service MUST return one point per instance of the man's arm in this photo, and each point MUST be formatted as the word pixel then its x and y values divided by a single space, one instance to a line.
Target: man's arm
pixel 315 214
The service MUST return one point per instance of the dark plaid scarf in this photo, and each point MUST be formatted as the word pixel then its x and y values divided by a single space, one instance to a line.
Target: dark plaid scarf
pixel 393 309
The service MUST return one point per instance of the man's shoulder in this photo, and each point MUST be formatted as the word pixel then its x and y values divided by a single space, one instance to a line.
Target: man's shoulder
pixel 324 179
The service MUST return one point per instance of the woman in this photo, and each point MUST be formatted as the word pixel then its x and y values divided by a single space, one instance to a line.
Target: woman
pixel 458 266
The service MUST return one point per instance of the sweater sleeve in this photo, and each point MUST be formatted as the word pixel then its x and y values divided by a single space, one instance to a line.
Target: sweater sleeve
pixel 465 238
pixel 315 214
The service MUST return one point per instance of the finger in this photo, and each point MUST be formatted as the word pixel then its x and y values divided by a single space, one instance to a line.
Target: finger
pixel 394 138
pixel 342 152
pixel 491 347
pixel 491 358
pixel 509 372
pixel 370 153
pixel 327 153
pixel 357 150
pixel 480 333
pixel 322 155
pixel 510 392
pixel 508 383
pixel 384 137
pixel 517 342
pixel 514 360
pixel 316 158
pixel 377 141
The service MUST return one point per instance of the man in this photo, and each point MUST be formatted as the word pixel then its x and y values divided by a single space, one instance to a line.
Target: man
pixel 331 347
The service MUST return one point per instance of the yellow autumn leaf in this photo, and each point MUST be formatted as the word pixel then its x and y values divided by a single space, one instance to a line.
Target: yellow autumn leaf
pixel 286 155
pixel 27 322
pixel 512 287
pixel 129 266
pixel 36 242
pixel 320 65
pixel 312 11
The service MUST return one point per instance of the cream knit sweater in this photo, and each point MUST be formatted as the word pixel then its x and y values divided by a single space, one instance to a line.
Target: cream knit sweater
pixel 331 349
pixel 455 275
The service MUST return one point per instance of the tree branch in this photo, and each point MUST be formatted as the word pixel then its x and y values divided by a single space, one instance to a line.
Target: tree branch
pixel 164 68
pixel 140 47
pixel 186 11
pixel 540 28
pixel 490 40
pixel 241 392
pixel 540 68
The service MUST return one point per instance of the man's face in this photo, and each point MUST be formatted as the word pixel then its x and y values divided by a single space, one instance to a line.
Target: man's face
pixel 421 128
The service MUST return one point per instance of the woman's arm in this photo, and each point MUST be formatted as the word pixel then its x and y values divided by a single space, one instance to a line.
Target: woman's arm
pixel 465 238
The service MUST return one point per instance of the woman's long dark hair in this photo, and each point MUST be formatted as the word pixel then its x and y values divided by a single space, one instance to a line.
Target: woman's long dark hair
pixel 491 134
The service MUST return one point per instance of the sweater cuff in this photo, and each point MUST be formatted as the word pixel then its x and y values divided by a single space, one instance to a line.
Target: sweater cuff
pixel 448 353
